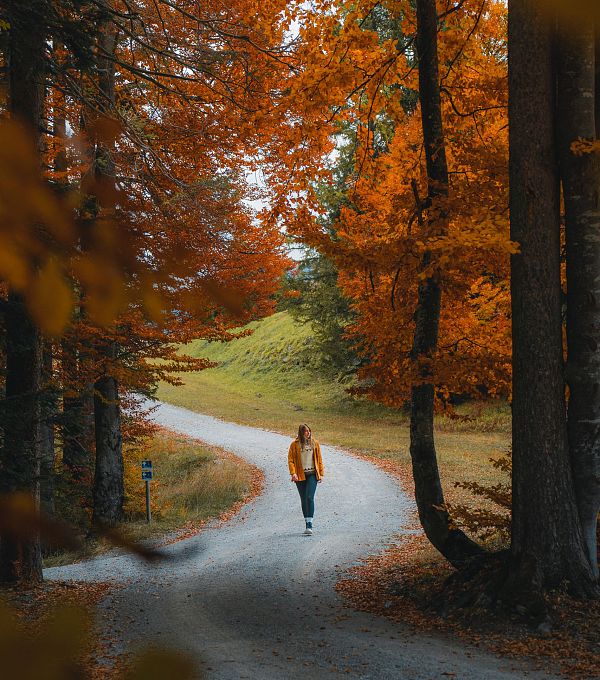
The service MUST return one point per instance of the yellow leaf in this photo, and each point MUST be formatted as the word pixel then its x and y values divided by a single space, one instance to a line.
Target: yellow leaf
pixel 153 303
pixel 13 268
pixel 225 296
pixel 50 299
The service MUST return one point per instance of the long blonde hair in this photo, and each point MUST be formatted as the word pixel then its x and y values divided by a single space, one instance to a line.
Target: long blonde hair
pixel 301 433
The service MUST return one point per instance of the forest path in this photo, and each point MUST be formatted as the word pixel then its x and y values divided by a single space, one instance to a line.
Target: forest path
pixel 254 598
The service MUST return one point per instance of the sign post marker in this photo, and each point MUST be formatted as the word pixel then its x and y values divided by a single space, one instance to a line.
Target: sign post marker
pixel 147 476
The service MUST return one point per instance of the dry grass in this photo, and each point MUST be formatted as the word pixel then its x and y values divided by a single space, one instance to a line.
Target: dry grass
pixel 192 484
pixel 463 454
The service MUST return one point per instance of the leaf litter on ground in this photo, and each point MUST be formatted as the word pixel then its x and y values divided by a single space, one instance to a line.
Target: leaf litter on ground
pixel 405 581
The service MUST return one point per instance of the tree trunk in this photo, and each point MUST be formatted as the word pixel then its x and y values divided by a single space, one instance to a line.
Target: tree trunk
pixel 108 481
pixel 77 422
pixel 109 492
pixel 547 546
pixel 77 418
pixel 50 397
pixel 581 186
pixel 597 81
pixel 48 417
pixel 78 435
pixel 20 557
pixel 451 542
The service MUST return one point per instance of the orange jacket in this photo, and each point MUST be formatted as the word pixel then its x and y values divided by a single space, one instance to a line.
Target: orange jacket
pixel 295 460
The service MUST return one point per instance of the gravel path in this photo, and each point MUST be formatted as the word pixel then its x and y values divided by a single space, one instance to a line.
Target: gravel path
pixel 254 598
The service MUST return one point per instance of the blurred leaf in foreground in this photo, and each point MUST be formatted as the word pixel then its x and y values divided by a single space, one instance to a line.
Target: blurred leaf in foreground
pixel 55 652
pixel 160 664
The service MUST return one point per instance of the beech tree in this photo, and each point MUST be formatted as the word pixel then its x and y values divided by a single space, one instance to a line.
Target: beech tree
pixel 437 231
pixel 546 540
pixel 580 174
pixel 450 541
pixel 146 241
pixel 421 247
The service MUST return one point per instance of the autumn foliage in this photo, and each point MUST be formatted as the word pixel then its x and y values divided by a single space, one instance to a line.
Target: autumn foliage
pixel 127 228
pixel 357 152
pixel 128 131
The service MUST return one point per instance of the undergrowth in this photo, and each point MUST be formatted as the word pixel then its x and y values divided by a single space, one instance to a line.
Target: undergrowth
pixel 489 517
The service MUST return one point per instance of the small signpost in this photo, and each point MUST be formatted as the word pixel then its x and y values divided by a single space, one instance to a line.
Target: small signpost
pixel 147 476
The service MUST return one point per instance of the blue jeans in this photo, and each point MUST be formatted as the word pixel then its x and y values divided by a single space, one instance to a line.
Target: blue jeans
pixel 307 489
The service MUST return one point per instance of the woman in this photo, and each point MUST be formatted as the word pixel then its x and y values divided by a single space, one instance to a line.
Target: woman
pixel 306 469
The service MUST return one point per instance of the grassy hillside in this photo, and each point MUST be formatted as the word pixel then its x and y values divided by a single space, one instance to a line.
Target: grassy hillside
pixel 268 372
pixel 269 380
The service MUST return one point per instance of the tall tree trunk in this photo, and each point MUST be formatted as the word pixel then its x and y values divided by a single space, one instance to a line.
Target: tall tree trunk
pixel 48 416
pixel 77 422
pixel 451 542
pixel 109 492
pixel 78 437
pixel 597 80
pixel 108 480
pixel 547 546
pixel 581 188
pixel 20 557
pixel 50 398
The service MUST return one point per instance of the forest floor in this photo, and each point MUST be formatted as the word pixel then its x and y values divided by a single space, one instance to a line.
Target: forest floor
pixel 406 582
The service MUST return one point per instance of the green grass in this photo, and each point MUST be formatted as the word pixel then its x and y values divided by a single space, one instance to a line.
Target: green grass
pixel 269 380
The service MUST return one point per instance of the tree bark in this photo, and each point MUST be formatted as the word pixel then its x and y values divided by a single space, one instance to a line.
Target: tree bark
pixel 77 421
pixel 597 80
pixel 77 418
pixel 109 494
pixel 20 557
pixel 456 547
pixel 50 396
pixel 547 547
pixel 581 186
pixel 48 417
pixel 108 480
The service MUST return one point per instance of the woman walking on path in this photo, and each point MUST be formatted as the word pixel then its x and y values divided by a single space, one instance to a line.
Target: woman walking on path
pixel 306 467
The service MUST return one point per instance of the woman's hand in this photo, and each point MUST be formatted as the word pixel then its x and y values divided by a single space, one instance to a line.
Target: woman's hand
pixel 294 478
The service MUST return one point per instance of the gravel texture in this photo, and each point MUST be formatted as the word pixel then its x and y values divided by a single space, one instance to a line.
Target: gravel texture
pixel 254 598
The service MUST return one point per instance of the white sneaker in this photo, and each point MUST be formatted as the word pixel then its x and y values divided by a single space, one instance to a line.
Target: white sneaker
pixel 308 531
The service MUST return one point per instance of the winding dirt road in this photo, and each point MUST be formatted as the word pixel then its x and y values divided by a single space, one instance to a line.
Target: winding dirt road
pixel 254 598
